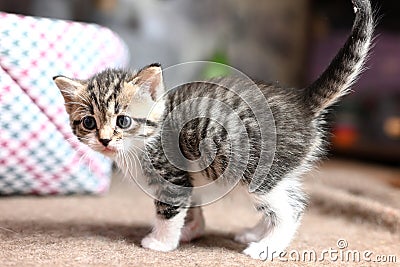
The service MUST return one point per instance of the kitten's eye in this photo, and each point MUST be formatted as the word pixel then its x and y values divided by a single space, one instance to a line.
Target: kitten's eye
pixel 89 123
pixel 124 122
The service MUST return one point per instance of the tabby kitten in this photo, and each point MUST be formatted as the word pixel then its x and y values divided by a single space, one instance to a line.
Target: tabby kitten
pixel 121 114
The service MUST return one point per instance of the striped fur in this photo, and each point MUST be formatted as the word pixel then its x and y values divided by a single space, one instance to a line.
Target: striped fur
pixel 344 69
pixel 210 136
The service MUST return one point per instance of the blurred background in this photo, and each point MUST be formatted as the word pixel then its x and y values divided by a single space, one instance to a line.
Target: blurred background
pixel 281 40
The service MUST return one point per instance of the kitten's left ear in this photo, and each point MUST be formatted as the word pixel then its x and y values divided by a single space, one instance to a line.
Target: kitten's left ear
pixel 150 79
pixel 69 88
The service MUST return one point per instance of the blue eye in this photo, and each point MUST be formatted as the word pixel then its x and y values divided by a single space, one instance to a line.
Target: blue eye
pixel 124 122
pixel 89 123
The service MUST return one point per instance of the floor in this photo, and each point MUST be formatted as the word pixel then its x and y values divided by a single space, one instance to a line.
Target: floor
pixel 349 208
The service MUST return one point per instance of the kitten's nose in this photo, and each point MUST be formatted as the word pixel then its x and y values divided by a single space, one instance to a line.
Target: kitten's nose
pixel 105 142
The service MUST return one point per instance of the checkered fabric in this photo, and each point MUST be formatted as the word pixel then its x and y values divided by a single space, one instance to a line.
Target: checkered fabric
pixel 38 152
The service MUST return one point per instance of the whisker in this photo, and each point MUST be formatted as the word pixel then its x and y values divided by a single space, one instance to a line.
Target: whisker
pixel 136 159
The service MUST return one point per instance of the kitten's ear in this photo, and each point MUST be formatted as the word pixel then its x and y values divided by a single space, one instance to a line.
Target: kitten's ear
pixel 68 87
pixel 150 79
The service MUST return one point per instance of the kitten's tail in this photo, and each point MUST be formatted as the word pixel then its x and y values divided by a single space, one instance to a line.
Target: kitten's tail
pixel 347 65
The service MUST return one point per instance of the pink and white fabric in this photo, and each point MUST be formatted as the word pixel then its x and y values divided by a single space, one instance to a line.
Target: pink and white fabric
pixel 38 152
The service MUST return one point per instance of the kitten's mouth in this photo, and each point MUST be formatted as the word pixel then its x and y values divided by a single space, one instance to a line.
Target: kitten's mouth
pixel 109 150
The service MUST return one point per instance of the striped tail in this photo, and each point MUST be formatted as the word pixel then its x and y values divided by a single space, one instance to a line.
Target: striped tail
pixel 344 69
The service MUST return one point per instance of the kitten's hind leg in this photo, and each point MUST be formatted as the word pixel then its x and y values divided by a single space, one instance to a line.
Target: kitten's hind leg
pixel 194 225
pixel 282 208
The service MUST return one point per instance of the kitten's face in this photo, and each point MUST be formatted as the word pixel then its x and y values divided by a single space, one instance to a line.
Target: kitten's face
pixel 114 111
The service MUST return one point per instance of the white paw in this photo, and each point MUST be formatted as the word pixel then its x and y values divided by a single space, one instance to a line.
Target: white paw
pixel 260 251
pixel 246 236
pixel 192 230
pixel 151 242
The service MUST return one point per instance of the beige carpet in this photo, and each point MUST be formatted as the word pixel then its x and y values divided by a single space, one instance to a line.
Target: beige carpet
pixel 355 202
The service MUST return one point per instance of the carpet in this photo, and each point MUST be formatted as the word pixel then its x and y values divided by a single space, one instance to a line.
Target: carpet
pixel 353 219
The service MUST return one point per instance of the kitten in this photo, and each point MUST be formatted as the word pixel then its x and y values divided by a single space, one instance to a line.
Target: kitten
pixel 120 114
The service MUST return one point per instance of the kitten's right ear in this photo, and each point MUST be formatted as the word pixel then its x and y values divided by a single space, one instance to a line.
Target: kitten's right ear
pixel 68 87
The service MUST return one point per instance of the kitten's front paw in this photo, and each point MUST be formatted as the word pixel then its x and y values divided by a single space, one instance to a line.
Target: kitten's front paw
pixel 193 229
pixel 260 251
pixel 151 242
pixel 246 236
